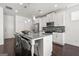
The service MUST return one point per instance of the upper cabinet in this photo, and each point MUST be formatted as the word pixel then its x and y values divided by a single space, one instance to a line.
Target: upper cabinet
pixel 59 18
pixel 51 17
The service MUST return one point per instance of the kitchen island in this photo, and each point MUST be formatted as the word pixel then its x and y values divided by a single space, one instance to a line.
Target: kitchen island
pixel 44 40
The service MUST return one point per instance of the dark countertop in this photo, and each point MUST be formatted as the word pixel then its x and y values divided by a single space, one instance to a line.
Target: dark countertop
pixel 36 35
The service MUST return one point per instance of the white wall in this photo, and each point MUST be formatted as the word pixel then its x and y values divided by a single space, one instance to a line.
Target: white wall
pixel 12 24
pixel 1 27
pixel 72 29
pixel 8 26
pixel 23 23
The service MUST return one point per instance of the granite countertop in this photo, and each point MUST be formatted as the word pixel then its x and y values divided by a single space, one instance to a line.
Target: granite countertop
pixel 36 35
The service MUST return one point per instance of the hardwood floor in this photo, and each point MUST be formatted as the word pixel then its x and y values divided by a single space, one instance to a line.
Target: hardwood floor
pixel 1 49
pixel 9 46
pixel 58 50
pixel 66 50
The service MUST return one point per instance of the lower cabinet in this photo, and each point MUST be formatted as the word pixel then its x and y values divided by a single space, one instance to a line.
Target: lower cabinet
pixel 58 38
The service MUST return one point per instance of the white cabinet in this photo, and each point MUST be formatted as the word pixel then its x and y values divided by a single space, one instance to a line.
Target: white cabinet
pixel 51 17
pixel 59 18
pixel 58 38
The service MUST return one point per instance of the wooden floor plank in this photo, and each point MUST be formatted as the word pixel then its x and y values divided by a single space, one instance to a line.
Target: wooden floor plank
pixel 58 50
pixel 66 50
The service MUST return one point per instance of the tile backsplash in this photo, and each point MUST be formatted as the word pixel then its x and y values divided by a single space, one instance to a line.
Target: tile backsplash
pixel 58 29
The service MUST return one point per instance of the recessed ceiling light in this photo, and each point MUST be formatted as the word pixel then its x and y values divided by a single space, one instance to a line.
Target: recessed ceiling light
pixel 40 11
pixel 16 11
pixel 34 18
pixel 28 20
pixel 55 5
pixel 25 21
pixel 21 3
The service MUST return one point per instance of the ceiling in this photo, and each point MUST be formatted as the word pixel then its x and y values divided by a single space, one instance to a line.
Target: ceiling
pixel 33 9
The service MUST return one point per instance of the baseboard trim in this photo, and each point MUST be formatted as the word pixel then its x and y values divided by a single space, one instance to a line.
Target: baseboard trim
pixel 72 45
pixel 58 44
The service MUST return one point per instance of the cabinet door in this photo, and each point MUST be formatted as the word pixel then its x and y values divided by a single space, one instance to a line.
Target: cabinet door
pixel 59 18
pixel 51 17
pixel 58 38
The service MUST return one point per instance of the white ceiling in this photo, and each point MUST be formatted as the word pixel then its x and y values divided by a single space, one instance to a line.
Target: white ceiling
pixel 34 8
